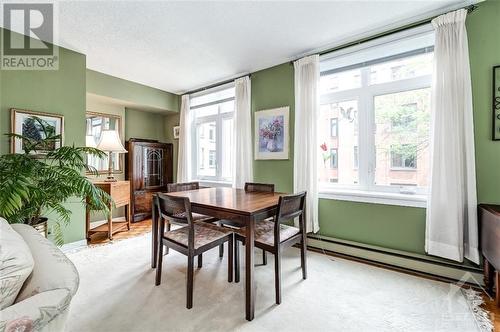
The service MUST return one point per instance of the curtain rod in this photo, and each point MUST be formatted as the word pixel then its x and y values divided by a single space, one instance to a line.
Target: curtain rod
pixel 469 8
pixel 215 85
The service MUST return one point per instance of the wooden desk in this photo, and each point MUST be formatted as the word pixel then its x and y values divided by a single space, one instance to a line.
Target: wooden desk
pixel 489 218
pixel 120 193
pixel 243 207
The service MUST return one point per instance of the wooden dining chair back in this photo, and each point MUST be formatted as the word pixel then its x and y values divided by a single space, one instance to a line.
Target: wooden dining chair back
pixel 191 240
pixel 173 187
pixel 262 187
pixel 289 208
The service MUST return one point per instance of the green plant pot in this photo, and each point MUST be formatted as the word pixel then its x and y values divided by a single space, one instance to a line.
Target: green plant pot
pixel 41 226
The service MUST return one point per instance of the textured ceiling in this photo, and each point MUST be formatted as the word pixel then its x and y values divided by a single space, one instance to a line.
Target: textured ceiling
pixel 178 46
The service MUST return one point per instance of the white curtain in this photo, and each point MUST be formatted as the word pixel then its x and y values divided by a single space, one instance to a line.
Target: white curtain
pixel 184 155
pixel 242 138
pixel 451 226
pixel 305 171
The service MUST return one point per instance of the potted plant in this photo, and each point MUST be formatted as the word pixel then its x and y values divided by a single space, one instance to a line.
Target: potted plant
pixel 33 186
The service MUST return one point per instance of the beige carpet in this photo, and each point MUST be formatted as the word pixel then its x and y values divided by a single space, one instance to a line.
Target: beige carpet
pixel 117 293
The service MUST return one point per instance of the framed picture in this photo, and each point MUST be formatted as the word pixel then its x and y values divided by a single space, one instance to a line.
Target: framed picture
pixel 176 132
pixel 496 104
pixel 272 136
pixel 29 124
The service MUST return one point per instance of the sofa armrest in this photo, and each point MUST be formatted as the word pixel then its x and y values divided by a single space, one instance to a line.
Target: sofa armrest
pixel 34 313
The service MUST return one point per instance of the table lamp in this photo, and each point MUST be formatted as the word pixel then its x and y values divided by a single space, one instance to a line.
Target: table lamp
pixel 110 142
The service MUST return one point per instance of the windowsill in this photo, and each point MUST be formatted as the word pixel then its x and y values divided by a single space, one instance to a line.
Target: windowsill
pixel 213 183
pixel 374 197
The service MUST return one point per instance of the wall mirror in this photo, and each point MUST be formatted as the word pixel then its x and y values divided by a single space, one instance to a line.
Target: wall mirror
pixel 95 124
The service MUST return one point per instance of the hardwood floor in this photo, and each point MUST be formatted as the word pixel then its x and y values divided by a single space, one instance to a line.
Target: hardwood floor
pixel 143 227
pixel 490 306
pixel 136 229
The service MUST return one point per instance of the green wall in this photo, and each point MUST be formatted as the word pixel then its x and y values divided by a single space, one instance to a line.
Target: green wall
pixel 271 88
pixel 483 27
pixel 141 124
pixel 171 121
pixel 60 91
pixel 127 91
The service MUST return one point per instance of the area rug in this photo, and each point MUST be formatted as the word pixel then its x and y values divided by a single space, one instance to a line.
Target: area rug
pixel 117 293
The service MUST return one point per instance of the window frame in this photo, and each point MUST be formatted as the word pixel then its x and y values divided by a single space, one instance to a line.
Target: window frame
pixel 218 119
pixel 365 96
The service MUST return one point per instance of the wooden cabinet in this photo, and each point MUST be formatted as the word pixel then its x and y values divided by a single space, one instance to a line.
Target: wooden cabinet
pixel 120 193
pixel 149 168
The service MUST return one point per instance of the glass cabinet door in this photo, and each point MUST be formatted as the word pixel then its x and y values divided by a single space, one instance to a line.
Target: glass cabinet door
pixel 153 167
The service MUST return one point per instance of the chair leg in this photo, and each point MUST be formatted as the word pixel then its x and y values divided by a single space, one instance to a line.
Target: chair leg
pixel 303 258
pixel 190 282
pixel 221 250
pixel 230 249
pixel 200 261
pixel 497 290
pixel 159 264
pixel 236 261
pixel 277 275
pixel 168 230
pixel 264 257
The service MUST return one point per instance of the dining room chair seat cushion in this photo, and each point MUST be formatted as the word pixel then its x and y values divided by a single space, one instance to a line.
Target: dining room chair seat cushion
pixel 264 232
pixel 203 234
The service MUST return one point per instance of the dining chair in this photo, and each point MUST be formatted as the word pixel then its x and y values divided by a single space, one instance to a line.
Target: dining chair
pixel 184 186
pixel 274 236
pixel 191 240
pixel 249 187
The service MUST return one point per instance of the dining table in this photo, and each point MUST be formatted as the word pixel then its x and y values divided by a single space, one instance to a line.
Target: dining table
pixel 237 205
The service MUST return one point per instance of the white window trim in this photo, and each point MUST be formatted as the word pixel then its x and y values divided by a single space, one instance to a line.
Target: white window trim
pixel 376 197
pixel 366 191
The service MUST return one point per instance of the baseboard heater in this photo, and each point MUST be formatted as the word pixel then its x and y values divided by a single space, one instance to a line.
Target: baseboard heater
pixel 432 267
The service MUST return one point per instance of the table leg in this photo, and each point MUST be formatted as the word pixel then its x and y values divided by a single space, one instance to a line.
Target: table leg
pixel 154 236
pixel 110 223
pixel 249 270
pixel 489 271
pixel 127 215
pixel 87 223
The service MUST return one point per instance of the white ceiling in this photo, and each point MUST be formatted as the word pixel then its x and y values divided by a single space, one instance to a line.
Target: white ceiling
pixel 179 46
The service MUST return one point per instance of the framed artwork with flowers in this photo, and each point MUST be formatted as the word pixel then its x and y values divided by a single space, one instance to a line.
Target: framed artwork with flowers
pixel 272 135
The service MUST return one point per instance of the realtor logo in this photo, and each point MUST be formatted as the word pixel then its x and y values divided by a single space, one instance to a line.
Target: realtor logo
pixel 28 37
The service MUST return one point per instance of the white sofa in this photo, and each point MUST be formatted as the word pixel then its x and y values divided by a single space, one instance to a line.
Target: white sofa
pixel 44 300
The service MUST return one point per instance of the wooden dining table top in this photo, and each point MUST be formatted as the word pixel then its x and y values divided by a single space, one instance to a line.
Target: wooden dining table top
pixel 231 199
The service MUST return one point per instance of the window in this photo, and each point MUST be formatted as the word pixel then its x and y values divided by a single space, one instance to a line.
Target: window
pixel 213 134
pixel 334 129
pixel 211 158
pixel 404 156
pixel 376 99
pixel 333 158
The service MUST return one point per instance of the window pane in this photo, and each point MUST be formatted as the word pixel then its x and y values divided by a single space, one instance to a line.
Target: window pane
pixel 207 110
pixel 213 96
pixel 338 152
pixel 227 149
pixel 402 138
pixel 340 81
pixel 206 148
pixel 400 69
pixel 227 107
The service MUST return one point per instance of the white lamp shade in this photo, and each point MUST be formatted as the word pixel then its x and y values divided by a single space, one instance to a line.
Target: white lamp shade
pixel 110 142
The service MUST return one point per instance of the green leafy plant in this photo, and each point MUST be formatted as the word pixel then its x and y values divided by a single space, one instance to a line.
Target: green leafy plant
pixel 33 185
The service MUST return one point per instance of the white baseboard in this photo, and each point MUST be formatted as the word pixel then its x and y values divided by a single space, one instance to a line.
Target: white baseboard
pixel 73 246
pixel 407 261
